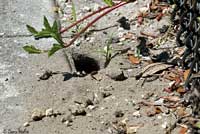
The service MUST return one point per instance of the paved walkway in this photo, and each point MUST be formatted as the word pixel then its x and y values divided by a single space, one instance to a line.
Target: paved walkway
pixel 18 69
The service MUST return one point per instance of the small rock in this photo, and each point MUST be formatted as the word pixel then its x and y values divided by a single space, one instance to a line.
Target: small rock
pixel 119 113
pixel 26 124
pixel 49 112
pixel 106 94
pixel 87 9
pixel 91 107
pixel 164 125
pixel 67 118
pixel 137 114
pixel 159 117
pixel 137 107
pixel 117 75
pixel 37 115
pixel 2 34
pixel 46 75
pixel 77 110
pixel 131 130
pixel 84 101
pixel 68 123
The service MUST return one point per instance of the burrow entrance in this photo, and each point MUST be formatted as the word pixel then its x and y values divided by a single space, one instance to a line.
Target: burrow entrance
pixel 85 64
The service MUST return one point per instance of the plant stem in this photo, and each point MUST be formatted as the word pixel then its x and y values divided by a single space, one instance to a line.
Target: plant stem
pixel 95 20
pixel 77 22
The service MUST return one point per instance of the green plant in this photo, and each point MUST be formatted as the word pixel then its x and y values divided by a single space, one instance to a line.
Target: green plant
pixel 47 32
pixel 74 18
pixel 107 52
pixel 55 33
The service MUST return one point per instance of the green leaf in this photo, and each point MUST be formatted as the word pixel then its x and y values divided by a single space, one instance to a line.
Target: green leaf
pixel 46 24
pixel 109 2
pixel 55 26
pixel 54 49
pixel 197 125
pixel 32 50
pixel 74 12
pixel 43 34
pixel 57 37
pixel 31 29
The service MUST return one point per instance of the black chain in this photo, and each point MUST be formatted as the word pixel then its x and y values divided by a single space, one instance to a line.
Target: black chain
pixel 186 14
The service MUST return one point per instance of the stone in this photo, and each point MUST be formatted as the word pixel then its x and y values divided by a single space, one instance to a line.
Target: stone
pixel 117 75
pixel 137 107
pixel 106 94
pixel 84 101
pixel 37 115
pixel 49 112
pixel 77 111
pixel 26 124
pixel 137 114
pixel 119 113
pixel 68 120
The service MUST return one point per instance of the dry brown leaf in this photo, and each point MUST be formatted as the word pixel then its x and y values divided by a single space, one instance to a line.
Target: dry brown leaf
pixel 183 130
pixel 171 98
pixel 133 59
pixel 140 19
pixel 159 16
pixel 152 111
pixel 181 90
pixel 158 110
pixel 181 111
pixel 186 73
pixel 129 35
pixel 153 68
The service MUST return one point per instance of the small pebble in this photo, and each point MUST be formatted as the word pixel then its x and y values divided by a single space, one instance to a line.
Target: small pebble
pixel 119 113
pixel 137 114
pixel 159 117
pixel 37 115
pixel 77 111
pixel 49 112
pixel 26 124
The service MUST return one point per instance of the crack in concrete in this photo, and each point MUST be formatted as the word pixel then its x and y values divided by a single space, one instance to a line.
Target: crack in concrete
pixel 15 36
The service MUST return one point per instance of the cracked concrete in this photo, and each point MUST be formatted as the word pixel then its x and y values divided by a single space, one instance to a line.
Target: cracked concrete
pixel 18 70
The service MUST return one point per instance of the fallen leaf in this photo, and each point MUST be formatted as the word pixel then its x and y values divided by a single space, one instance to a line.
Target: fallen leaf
pixel 128 35
pixel 186 73
pixel 197 125
pixel 153 111
pixel 171 98
pixel 181 111
pixel 174 85
pixel 183 130
pixel 133 59
pixel 140 19
pixel 181 90
pixel 132 129
pixel 149 34
pixel 151 69
pixel 159 16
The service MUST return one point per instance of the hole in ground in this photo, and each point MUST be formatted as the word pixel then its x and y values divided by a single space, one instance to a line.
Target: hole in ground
pixel 84 63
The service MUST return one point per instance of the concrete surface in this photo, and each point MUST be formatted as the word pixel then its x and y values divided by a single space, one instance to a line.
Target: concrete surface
pixel 18 69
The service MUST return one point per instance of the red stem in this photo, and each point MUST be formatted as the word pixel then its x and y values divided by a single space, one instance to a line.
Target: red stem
pixel 95 20
pixel 89 15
